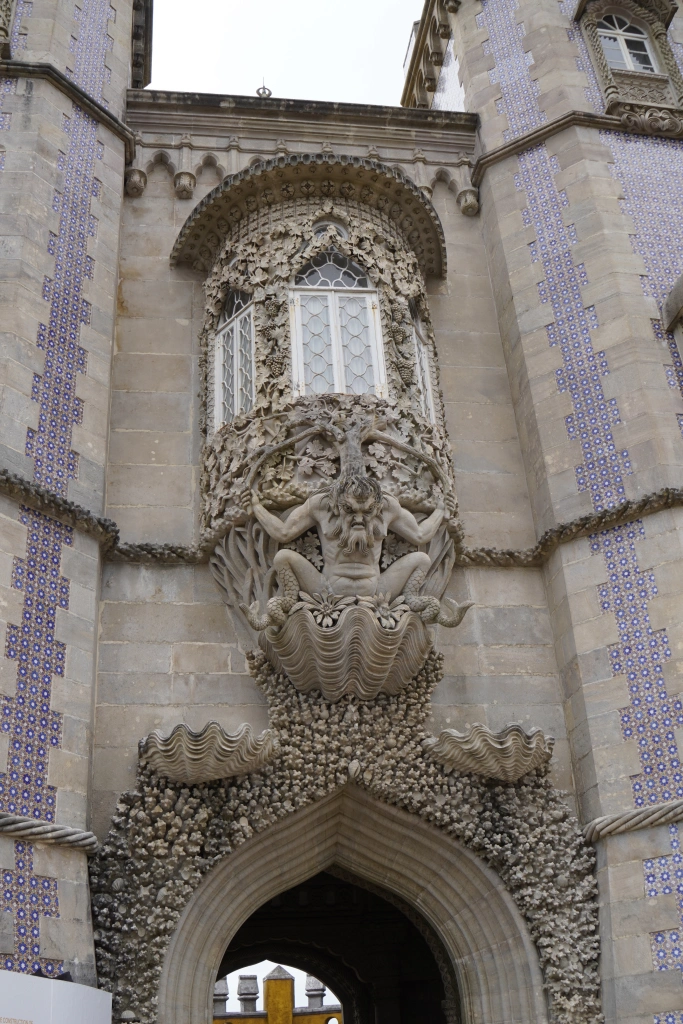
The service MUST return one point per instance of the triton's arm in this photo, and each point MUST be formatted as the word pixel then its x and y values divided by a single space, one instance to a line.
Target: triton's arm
pixel 283 532
pixel 404 523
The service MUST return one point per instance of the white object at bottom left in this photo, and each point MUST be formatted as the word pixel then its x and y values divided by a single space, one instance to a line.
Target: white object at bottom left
pixel 27 1000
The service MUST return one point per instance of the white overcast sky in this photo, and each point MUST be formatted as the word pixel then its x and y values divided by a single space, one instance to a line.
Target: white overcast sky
pixel 350 51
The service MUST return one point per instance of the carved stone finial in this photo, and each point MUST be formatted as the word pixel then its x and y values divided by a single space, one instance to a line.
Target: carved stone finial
pixel 135 182
pixel 506 755
pixel 184 183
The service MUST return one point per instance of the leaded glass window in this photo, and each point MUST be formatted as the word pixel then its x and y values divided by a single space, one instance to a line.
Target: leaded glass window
pixel 626 46
pixel 336 331
pixel 234 359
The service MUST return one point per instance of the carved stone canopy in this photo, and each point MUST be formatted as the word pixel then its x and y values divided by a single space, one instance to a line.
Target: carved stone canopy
pixel 269 184
pixel 664 10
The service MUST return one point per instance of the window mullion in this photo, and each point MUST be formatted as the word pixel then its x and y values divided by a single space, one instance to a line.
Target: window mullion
pixel 376 346
pixel 218 357
pixel 335 337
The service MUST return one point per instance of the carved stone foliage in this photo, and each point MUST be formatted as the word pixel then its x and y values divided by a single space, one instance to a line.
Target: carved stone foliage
pixel 293 453
pixel 628 92
pixel 166 836
pixel 263 261
pixel 349 614
pixel 506 755
pixel 212 753
pixel 245 202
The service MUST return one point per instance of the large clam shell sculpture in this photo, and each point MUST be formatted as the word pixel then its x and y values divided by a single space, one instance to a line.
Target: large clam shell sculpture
pixel 506 755
pixel 213 753
pixel 355 656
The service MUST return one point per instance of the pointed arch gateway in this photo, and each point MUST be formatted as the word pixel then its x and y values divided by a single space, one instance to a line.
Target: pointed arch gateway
pixel 461 899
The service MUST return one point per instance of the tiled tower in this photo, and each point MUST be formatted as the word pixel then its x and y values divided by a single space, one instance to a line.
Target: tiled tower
pixel 62 150
pixel 581 178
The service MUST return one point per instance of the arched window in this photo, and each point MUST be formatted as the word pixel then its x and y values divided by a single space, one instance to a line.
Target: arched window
pixel 336 334
pixel 626 46
pixel 234 354
pixel 423 367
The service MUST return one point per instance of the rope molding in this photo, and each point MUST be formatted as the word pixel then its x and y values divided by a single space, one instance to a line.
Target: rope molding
pixel 106 532
pixel 17 827
pixel 630 821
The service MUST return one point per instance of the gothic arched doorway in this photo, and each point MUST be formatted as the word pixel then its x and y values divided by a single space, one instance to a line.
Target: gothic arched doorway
pixel 384 963
pixel 461 900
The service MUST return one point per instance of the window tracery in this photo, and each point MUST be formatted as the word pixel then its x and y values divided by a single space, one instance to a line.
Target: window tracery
pixel 625 44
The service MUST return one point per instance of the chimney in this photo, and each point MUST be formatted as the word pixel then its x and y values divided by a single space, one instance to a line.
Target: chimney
pixel 220 995
pixel 315 992
pixel 247 992
pixel 278 996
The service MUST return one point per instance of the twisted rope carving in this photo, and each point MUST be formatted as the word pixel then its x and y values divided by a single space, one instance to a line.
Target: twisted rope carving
pixel 643 817
pixel 18 827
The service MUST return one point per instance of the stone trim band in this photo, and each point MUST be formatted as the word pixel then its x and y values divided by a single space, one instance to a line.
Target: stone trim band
pixel 17 827
pixel 630 821
pixel 29 69
pixel 582 119
pixel 107 532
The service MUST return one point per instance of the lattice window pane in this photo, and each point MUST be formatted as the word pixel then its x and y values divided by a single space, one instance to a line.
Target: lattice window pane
pixel 246 363
pixel 639 54
pixel 613 53
pixel 332 270
pixel 227 382
pixel 356 344
pixel 317 344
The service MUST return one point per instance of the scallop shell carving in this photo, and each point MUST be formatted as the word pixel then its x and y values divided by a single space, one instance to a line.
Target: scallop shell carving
pixel 355 656
pixel 506 755
pixel 213 753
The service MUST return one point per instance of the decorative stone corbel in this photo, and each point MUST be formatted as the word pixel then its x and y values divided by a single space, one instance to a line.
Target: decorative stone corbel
pixel 420 175
pixel 281 148
pixel 233 160
pixel 185 181
pixel 213 753
pixel 506 755
pixel 467 196
pixel 135 179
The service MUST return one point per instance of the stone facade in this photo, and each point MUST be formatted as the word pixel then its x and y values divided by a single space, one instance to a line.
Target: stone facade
pixel 537 235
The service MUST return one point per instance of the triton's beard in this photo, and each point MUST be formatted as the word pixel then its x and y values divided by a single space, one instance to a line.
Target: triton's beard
pixel 354 538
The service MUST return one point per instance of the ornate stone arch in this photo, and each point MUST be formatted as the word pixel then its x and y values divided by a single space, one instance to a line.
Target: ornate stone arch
pixel 161 156
pixel 463 901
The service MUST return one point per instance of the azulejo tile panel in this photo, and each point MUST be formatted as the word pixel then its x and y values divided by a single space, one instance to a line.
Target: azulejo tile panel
pixel 34 728
pixel 29 897
pixel 519 92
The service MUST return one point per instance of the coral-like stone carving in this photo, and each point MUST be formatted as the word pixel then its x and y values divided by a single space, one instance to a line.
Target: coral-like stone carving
pixel 506 755
pixel 166 837
pixel 213 753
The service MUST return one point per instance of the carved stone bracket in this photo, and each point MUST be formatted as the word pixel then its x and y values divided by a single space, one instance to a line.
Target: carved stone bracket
pixel 506 755
pixel 184 183
pixel 650 120
pixel 135 182
pixel 212 753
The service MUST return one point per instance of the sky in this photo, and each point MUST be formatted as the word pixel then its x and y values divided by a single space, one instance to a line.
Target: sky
pixel 349 52
pixel 265 967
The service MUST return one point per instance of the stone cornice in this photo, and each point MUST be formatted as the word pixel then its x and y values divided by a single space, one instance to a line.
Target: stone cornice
pixel 28 69
pixel 107 533
pixel 325 176
pixel 536 136
pixel 207 111
pixel 627 122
